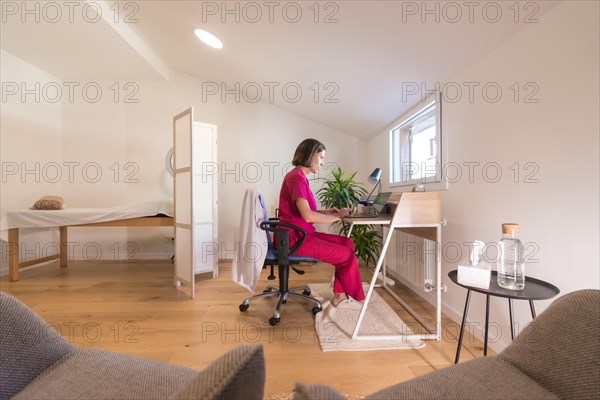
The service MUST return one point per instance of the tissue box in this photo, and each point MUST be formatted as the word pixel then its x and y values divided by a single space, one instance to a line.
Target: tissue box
pixel 478 276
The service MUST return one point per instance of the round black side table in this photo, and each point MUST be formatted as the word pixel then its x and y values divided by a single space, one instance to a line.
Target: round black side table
pixel 535 289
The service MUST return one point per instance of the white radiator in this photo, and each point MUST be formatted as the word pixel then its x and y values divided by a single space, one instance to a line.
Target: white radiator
pixel 411 259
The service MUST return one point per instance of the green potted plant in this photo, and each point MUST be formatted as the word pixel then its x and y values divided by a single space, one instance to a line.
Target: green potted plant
pixel 341 191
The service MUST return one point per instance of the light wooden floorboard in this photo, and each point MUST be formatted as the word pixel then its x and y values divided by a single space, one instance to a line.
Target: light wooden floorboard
pixel 133 308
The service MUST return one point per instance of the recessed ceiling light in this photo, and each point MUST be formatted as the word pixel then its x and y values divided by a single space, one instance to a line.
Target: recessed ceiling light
pixel 209 38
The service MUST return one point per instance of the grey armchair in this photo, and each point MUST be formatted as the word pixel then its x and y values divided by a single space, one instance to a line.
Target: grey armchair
pixel 557 356
pixel 38 363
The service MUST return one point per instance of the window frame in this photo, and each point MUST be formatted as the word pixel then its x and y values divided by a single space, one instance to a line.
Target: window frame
pixel 434 182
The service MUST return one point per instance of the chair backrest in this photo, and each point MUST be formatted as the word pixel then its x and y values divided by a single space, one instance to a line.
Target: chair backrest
pixel 560 349
pixel 272 254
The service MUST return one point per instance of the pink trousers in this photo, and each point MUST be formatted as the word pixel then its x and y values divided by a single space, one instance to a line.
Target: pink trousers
pixel 339 251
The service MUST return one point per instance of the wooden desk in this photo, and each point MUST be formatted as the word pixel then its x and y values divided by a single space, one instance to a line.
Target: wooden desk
pixel 418 214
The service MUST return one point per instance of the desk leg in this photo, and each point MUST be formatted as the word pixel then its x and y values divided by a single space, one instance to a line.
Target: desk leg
pixel 512 318
pixel 462 327
pixel 363 309
pixel 533 315
pixel 438 282
pixel 487 324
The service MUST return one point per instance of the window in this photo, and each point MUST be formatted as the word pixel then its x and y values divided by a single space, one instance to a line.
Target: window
pixel 416 146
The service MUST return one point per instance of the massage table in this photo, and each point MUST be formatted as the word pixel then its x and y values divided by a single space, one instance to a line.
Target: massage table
pixel 146 214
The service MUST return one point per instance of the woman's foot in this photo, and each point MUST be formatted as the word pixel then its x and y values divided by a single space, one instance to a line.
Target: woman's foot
pixel 341 300
pixel 338 298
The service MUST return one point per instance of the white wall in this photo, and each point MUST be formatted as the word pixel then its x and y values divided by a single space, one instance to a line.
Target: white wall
pixel 117 151
pixel 558 135
pixel 30 143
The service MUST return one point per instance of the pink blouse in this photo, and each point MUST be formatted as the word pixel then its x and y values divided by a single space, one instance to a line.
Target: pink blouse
pixel 295 185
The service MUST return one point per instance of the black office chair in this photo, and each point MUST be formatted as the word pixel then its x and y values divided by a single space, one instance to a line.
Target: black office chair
pixel 295 259
pixel 284 258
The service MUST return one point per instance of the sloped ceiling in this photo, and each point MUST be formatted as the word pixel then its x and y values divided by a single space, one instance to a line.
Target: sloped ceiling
pixel 350 65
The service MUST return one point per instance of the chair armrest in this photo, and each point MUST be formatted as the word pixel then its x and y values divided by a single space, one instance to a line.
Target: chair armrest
pixel 273 226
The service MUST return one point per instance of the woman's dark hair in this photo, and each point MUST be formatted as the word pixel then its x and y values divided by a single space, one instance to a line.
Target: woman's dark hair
pixel 305 150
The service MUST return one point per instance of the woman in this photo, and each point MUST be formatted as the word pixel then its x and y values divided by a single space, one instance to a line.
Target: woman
pixel 297 206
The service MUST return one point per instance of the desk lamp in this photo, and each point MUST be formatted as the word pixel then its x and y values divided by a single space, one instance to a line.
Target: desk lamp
pixel 374 178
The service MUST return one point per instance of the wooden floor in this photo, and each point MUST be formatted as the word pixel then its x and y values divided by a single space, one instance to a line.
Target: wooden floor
pixel 133 308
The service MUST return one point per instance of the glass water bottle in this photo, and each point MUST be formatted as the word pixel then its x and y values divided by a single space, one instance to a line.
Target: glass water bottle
pixel 511 268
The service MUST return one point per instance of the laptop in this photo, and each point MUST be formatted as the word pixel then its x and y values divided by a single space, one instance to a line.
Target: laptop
pixel 376 208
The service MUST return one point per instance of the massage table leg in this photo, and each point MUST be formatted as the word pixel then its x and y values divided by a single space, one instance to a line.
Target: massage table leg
pixel 12 252
pixel 63 246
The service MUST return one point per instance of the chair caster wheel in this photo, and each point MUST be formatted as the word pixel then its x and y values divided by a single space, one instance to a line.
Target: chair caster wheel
pixel 316 310
pixel 267 291
pixel 271 277
pixel 244 307
pixel 306 292
pixel 273 321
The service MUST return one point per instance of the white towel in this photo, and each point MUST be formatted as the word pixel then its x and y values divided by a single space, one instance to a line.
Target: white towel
pixel 251 243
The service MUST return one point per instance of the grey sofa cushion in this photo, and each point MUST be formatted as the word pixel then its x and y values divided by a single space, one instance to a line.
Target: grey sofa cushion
pixel 28 345
pixel 99 374
pixel 560 349
pixel 484 378
pixel 238 374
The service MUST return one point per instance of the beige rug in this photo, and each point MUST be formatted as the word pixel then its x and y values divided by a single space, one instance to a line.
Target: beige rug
pixel 335 326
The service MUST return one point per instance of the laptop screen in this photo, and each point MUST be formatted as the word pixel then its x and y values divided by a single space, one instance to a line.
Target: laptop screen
pixel 380 202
